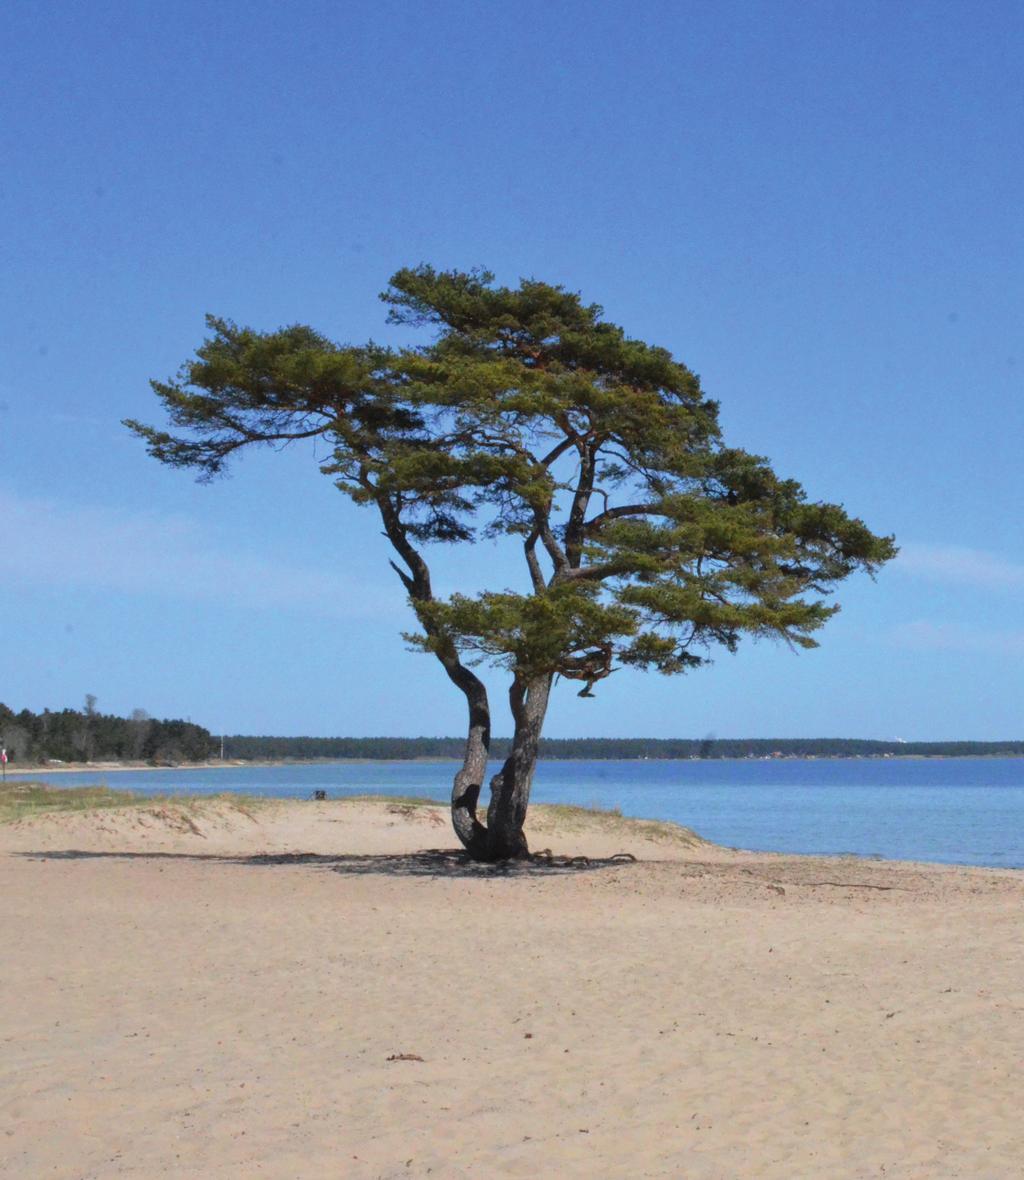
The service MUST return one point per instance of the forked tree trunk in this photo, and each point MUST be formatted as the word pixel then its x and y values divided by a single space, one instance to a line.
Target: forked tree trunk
pixel 502 838
pixel 510 787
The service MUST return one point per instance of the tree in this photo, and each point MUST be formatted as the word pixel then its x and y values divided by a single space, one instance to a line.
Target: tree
pixel 139 725
pixel 87 736
pixel 646 541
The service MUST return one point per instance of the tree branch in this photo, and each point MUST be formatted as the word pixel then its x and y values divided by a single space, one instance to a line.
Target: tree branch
pixel 593 573
pixel 555 551
pixel 574 533
pixel 407 582
pixel 530 549
pixel 558 450
pixel 418 584
pixel 596 522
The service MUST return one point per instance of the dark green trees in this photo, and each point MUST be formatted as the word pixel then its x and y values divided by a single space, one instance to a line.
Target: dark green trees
pixel 646 541
pixel 72 735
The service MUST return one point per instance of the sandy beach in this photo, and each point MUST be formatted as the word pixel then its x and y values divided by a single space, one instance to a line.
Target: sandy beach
pixel 306 990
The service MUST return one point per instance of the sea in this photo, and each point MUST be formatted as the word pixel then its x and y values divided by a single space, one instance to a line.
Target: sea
pixel 947 810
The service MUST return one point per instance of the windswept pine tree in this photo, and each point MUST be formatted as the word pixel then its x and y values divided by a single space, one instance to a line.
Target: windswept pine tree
pixel 647 542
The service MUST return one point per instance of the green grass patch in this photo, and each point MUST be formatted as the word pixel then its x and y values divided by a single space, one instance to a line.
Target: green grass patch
pixel 574 811
pixel 21 799
pixel 569 817
pixel 27 798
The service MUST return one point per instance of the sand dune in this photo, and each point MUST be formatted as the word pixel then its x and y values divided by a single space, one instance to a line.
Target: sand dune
pixel 302 990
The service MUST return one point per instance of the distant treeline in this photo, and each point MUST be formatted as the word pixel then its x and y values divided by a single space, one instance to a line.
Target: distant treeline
pixel 87 735
pixel 600 748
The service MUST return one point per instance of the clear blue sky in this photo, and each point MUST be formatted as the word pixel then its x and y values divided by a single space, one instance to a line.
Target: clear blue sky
pixel 818 207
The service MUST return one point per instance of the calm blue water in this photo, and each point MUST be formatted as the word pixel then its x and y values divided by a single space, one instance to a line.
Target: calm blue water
pixel 955 810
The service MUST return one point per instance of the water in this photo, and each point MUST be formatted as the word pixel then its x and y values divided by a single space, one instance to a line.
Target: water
pixel 952 810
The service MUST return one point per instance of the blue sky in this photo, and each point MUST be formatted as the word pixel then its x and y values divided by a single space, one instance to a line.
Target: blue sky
pixel 816 206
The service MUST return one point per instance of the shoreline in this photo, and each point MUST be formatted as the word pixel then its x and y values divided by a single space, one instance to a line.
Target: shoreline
pixel 19 770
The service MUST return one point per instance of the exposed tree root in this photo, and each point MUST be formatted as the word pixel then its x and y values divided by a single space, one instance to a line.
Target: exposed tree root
pixel 546 856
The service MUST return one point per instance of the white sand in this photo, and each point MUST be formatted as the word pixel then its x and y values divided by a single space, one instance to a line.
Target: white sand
pixel 173 1005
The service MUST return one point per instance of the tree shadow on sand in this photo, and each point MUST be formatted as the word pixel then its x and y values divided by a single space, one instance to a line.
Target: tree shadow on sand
pixel 432 862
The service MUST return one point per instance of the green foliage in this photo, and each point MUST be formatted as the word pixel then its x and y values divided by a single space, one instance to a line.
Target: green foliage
pixel 647 542
pixel 530 634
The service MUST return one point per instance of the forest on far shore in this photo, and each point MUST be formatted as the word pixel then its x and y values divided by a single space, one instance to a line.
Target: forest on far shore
pixel 273 748
pixel 86 735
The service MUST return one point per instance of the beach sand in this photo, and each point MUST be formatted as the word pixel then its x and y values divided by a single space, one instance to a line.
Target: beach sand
pixel 293 992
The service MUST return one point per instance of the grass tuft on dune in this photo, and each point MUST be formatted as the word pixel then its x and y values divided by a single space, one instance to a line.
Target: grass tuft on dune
pixel 566 817
pixel 19 800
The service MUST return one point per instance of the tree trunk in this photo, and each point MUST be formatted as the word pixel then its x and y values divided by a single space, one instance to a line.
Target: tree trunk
pixel 503 837
pixel 468 781
pixel 510 787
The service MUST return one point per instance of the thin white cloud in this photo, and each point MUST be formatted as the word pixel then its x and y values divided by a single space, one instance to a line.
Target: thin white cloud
pixel 962 565
pixel 925 635
pixel 53 543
